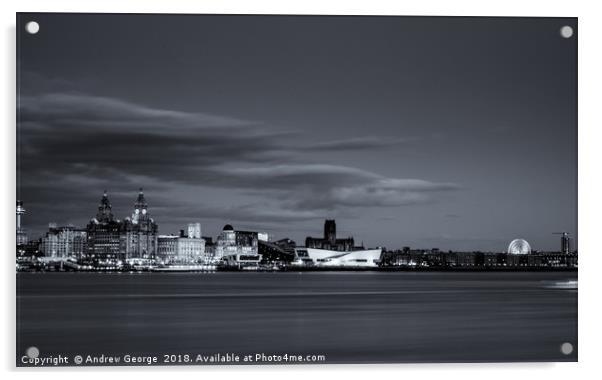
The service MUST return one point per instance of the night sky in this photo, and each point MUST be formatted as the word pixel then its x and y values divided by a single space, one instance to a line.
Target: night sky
pixel 456 133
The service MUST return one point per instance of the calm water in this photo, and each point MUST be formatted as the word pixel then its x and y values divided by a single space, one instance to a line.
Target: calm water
pixel 347 316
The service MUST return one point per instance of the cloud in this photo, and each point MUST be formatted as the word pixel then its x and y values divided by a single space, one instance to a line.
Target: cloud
pixel 357 143
pixel 81 110
pixel 72 146
pixel 66 133
pixel 322 186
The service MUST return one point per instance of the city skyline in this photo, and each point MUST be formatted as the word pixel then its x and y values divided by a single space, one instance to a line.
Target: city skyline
pixel 346 244
pixel 304 119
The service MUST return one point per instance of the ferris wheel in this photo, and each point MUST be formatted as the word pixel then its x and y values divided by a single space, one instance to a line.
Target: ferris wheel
pixel 519 247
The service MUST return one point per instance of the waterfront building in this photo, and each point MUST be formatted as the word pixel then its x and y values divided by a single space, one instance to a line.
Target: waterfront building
pixel 247 242
pixel 330 241
pixel 63 242
pixel 182 249
pixel 167 248
pixel 330 251
pixel 103 234
pixel 405 258
pixel 190 249
pixel 432 258
pixel 366 258
pixel 469 259
pixel 287 245
pixel 276 254
pixel 138 238
pixel 30 249
pixel 517 260
pixel 209 255
pixel 435 258
pixel 237 248
pixel 226 242
pixel 494 259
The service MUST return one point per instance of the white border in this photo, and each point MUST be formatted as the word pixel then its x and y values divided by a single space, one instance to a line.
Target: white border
pixel 590 123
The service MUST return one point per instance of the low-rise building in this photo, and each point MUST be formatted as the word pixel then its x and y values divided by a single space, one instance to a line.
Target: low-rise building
pixel 183 248
pixel 63 242
pixel 237 248
pixel 365 258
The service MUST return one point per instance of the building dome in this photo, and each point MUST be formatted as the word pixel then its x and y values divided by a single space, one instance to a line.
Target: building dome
pixel 519 247
pixel 228 227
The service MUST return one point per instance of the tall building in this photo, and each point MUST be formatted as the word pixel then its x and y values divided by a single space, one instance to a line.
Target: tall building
pixel 63 242
pixel 330 241
pixel 330 231
pixel 21 233
pixel 103 234
pixel 565 243
pixel 139 233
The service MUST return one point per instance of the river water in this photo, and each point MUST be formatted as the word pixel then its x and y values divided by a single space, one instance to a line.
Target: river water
pixel 349 317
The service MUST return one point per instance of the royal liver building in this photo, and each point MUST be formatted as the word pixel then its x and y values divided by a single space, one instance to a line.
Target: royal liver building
pixel 103 234
pixel 139 233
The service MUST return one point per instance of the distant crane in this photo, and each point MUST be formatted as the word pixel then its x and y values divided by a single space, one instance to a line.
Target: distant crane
pixel 565 242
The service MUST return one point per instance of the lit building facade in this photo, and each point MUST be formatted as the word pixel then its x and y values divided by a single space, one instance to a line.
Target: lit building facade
pixel 183 249
pixel 21 233
pixel 63 242
pixel 103 234
pixel 332 252
pixel 194 230
pixel 237 248
pixel 365 258
pixel 167 248
pixel 138 238
pixel 190 250
pixel 225 243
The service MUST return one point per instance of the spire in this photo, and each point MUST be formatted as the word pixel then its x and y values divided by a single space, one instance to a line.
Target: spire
pixel 140 202
pixel 104 209
pixel 104 201
pixel 140 207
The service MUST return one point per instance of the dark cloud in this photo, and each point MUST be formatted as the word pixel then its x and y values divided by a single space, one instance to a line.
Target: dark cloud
pixel 328 186
pixel 79 144
pixel 357 143
pixel 91 135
